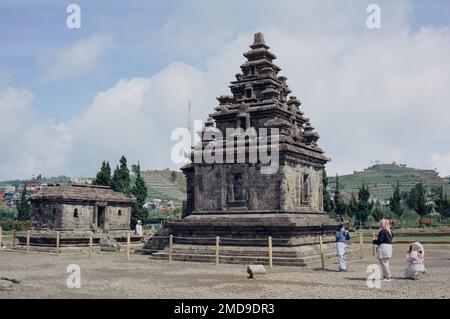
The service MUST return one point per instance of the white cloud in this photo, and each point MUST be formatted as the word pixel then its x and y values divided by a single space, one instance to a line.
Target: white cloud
pixel 29 145
pixel 79 59
pixel 134 118
pixel 442 163
pixel 371 94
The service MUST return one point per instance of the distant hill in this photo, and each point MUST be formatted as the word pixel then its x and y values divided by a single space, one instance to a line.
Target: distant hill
pixel 43 180
pixel 161 185
pixel 382 178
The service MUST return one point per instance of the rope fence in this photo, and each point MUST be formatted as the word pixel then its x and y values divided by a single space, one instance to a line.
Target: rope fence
pixel 211 247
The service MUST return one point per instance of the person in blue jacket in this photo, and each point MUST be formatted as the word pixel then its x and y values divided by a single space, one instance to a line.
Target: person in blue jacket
pixel 342 235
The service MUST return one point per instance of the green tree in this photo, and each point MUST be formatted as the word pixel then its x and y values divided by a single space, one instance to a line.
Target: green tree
pixel 121 178
pixel 379 212
pixel 364 204
pixel 364 198
pixel 135 168
pixel 417 199
pixel 441 201
pixel 340 205
pixel 23 207
pixel 173 176
pixel 395 202
pixel 104 175
pixel 139 191
pixel 353 205
pixel 327 202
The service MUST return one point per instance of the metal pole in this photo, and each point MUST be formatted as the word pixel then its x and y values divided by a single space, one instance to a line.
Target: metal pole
pixel 91 241
pixel 28 242
pixel 270 252
pixel 57 242
pixel 361 245
pixel 170 247
pixel 128 245
pixel 373 246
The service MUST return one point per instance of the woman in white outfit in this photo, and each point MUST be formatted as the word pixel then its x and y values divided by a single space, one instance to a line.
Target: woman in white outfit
pixel 414 261
pixel 384 247
pixel 138 230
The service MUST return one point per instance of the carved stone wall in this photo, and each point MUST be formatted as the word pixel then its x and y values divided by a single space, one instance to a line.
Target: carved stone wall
pixel 46 215
pixel 81 216
pixel 215 188
pixel 298 192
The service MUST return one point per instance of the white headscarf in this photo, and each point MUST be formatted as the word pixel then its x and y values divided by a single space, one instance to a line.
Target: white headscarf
pixel 416 246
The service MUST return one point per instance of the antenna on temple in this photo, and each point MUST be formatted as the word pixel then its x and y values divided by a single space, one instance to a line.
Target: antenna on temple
pixel 189 119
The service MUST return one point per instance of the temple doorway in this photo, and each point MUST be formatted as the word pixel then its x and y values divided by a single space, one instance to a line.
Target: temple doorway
pixel 101 217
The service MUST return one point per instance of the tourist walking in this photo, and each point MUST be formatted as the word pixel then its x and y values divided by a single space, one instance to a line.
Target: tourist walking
pixel 384 247
pixel 342 235
pixel 414 261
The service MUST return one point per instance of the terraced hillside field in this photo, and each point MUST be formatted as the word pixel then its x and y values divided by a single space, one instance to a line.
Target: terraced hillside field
pixel 382 179
pixel 160 184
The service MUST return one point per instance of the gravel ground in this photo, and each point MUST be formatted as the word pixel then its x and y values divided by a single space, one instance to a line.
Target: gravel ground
pixel 112 276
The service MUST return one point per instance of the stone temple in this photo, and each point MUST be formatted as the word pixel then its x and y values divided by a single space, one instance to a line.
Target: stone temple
pixel 76 211
pixel 80 207
pixel 243 202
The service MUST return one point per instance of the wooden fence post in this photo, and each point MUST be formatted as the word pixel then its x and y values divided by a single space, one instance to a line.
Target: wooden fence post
pixel 361 245
pixel 373 246
pixel 270 252
pixel 91 242
pixel 170 247
pixel 57 242
pixel 28 242
pixel 217 250
pixel 128 245
pixel 14 239
pixel 322 255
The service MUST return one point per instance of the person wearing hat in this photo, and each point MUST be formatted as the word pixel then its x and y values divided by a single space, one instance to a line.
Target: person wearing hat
pixel 342 235
pixel 138 230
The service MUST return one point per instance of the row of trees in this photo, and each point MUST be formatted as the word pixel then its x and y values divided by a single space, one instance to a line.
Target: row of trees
pixel 120 181
pixel 23 206
pixel 360 207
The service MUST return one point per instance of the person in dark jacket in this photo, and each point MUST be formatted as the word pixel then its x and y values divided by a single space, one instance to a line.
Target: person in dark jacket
pixel 384 247
pixel 342 236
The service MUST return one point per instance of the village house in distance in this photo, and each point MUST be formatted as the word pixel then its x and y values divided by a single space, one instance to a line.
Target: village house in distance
pixel 237 201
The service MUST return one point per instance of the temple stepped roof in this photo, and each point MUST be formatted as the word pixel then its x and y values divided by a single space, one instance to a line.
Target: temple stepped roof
pixel 77 192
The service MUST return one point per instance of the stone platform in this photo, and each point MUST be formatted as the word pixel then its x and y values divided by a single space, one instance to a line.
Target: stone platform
pixel 307 255
pixel 244 238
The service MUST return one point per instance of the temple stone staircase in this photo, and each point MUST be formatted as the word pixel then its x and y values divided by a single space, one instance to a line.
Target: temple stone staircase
pixel 308 255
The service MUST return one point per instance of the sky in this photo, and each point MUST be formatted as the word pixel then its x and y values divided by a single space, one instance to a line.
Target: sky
pixel 120 84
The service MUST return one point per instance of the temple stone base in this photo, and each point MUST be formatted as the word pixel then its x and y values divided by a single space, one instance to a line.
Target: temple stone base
pixel 243 238
pixel 300 256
